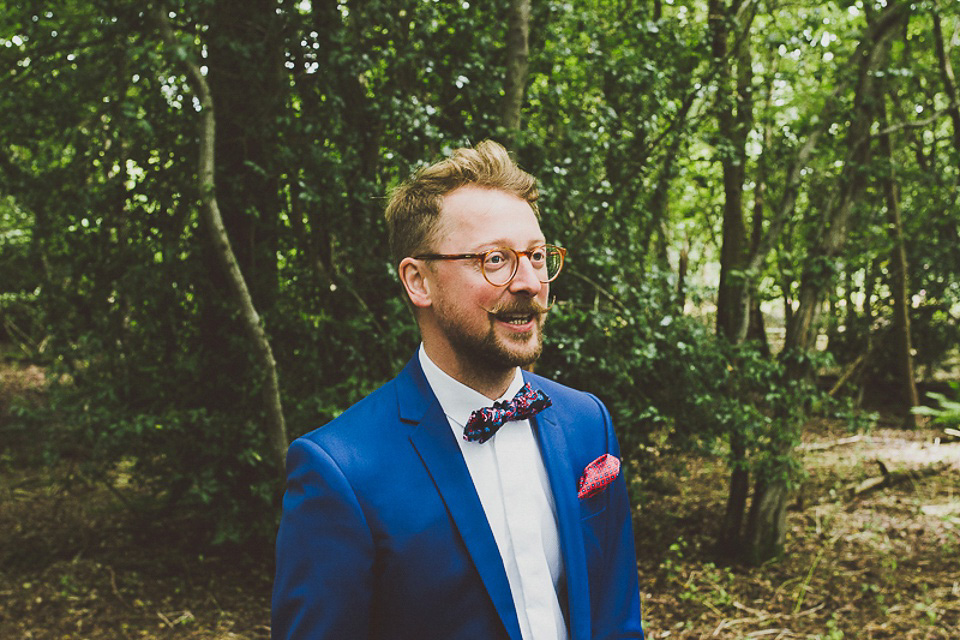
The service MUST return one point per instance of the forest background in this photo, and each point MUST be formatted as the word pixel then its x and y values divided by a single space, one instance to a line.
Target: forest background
pixel 759 199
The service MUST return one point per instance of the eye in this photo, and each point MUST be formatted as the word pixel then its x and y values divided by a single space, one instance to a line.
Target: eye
pixel 538 256
pixel 495 260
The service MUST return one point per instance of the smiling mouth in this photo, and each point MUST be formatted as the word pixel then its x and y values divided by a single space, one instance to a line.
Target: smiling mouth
pixel 518 315
pixel 515 318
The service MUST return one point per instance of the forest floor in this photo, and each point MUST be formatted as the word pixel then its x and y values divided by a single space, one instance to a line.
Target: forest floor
pixel 75 563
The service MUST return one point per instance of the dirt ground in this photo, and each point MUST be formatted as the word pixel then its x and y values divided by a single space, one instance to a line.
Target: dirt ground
pixel 75 563
pixel 885 564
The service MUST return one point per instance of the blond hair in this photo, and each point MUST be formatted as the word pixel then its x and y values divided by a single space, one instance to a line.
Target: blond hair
pixel 413 210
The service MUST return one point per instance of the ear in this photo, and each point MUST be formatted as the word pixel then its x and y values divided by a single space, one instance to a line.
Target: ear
pixel 414 276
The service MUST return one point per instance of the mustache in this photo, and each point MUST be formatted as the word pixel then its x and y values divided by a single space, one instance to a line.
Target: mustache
pixel 530 307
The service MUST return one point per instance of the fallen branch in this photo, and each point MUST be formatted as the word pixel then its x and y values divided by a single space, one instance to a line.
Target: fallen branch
pixel 762 616
pixel 780 633
pixel 893 478
pixel 823 446
pixel 847 375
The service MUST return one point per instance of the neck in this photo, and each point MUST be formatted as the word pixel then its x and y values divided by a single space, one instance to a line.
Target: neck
pixel 492 383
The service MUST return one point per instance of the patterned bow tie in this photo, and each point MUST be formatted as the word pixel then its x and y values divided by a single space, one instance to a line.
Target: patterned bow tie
pixel 484 423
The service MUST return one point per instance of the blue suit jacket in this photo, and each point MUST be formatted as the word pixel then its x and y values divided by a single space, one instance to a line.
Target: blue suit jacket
pixel 383 535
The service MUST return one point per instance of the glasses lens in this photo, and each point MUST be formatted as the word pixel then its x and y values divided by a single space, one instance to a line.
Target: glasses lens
pixel 499 266
pixel 554 261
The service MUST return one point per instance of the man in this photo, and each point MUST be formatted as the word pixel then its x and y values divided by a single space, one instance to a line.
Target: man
pixel 416 514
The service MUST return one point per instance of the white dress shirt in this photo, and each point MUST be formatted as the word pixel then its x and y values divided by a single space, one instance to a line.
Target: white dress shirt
pixel 512 484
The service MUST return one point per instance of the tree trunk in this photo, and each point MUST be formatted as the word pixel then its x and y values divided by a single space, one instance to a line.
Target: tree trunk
pixel 683 264
pixel 766 525
pixel 756 327
pixel 849 309
pixel 731 528
pixel 658 205
pixel 902 343
pixel 246 81
pixel 734 121
pixel 785 272
pixel 276 426
pixel 518 62
pixel 869 290
pixel 870 275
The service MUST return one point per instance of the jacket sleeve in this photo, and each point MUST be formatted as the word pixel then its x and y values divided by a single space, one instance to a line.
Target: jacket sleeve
pixel 616 605
pixel 324 553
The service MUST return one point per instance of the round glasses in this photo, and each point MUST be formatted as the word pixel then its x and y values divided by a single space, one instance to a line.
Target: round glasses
pixel 499 266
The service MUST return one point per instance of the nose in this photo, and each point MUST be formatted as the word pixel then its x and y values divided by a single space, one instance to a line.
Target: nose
pixel 526 281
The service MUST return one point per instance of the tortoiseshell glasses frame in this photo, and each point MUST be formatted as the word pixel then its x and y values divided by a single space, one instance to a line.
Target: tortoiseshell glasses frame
pixel 500 265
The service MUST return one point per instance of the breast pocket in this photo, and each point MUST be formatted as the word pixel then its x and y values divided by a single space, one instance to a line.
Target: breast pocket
pixel 593 506
pixel 593 524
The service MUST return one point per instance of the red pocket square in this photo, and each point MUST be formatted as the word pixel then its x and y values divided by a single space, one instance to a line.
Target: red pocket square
pixel 597 475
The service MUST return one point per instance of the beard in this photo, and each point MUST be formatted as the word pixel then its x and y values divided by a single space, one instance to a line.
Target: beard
pixel 492 352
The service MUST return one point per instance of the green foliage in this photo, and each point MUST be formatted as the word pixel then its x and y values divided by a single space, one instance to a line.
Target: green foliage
pixel 20 280
pixel 707 583
pixel 947 411
pixel 106 271
pixel 18 268
pixel 670 374
pixel 857 419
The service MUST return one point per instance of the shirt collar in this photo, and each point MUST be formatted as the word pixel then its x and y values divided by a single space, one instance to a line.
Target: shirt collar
pixel 456 399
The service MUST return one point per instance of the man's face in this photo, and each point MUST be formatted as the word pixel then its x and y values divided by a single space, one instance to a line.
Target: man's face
pixel 483 325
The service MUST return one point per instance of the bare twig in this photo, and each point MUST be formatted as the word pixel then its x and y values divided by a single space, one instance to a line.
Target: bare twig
pixel 802 590
pixel 755 612
pixel 609 296
pixel 916 124
pixel 182 616
pixel 113 586
pixel 823 446
pixel 848 374
pixel 165 619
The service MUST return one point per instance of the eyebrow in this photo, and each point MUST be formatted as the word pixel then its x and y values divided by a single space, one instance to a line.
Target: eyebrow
pixel 501 244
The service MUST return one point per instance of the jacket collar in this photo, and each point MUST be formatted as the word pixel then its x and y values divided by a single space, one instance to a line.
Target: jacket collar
pixel 552 437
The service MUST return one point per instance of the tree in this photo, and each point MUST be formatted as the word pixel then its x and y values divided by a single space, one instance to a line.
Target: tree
pixel 220 241
pixel 903 342
pixel 734 122
pixel 766 528
pixel 243 49
pixel 517 53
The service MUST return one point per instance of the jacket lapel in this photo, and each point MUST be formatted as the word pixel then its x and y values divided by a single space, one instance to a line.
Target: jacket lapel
pixel 556 459
pixel 435 443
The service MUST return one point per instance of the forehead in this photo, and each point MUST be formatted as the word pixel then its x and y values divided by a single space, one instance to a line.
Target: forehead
pixel 474 217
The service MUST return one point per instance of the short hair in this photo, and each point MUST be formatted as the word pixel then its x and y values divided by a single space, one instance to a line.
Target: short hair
pixel 413 210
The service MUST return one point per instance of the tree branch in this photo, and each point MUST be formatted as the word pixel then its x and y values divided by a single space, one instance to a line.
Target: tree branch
pixel 877 33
